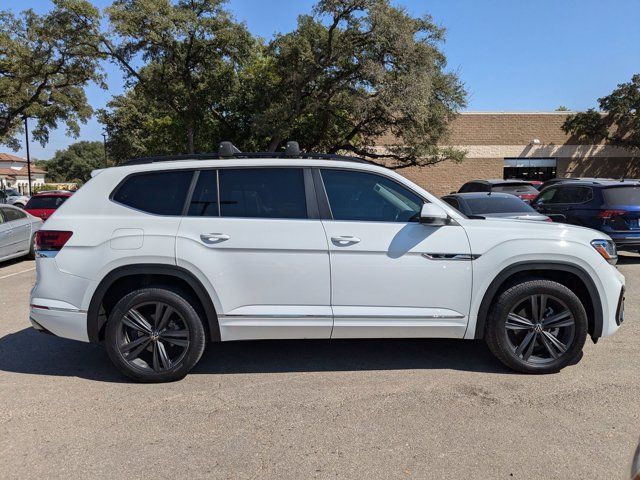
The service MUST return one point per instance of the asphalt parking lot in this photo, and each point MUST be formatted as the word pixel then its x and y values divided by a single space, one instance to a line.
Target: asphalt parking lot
pixel 319 409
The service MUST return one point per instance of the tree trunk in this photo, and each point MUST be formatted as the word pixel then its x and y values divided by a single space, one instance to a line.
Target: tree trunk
pixel 274 143
pixel 190 137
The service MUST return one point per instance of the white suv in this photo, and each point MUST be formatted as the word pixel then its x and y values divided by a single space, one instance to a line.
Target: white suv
pixel 157 257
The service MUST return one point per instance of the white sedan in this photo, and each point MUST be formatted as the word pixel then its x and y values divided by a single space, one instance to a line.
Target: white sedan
pixel 17 232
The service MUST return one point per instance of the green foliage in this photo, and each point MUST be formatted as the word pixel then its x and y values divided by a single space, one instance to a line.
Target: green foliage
pixel 178 100
pixel 619 122
pixel 562 108
pixel 350 73
pixel 45 63
pixel 75 163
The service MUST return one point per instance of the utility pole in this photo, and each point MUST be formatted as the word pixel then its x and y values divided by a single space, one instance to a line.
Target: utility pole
pixel 104 145
pixel 26 134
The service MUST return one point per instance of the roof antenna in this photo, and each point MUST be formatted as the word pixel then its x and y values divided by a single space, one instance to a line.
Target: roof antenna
pixel 227 150
pixel 292 149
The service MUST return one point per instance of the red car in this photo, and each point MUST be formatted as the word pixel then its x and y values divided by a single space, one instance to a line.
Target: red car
pixel 43 204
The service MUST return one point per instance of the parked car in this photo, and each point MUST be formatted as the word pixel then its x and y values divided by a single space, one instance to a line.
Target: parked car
pixel 157 257
pixel 12 196
pixel 554 181
pixel 497 205
pixel 611 206
pixel 43 204
pixel 520 188
pixel 17 232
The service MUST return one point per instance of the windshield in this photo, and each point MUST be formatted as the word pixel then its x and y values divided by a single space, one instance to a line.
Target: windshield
pixel 518 188
pixel 45 202
pixel 622 195
pixel 489 204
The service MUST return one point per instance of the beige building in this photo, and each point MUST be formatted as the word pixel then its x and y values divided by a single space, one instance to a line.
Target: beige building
pixel 14 174
pixel 520 145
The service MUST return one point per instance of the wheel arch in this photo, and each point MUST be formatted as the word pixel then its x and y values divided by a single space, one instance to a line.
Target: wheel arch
pixel 150 274
pixel 570 275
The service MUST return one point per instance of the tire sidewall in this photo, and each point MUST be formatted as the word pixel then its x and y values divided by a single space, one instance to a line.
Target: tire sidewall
pixel 183 307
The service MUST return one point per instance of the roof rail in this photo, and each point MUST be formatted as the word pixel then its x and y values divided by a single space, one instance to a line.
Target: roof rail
pixel 227 150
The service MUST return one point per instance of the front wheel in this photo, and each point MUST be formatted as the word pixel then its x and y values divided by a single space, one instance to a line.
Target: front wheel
pixel 154 335
pixel 537 326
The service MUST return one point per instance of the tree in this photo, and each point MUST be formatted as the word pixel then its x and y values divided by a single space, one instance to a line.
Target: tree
pixel 562 108
pixel 75 163
pixel 45 63
pixel 618 122
pixel 193 50
pixel 352 72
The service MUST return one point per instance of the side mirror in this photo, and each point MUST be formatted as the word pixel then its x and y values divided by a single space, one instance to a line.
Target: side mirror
pixel 432 214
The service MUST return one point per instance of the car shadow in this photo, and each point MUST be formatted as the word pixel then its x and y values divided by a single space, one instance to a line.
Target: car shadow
pixel 31 352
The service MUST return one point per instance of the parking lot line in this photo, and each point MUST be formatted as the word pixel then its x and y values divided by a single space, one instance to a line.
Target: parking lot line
pixel 18 273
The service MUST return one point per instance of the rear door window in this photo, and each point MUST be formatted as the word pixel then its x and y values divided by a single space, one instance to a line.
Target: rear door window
pixel 622 195
pixel 160 193
pixel 262 193
pixel 204 201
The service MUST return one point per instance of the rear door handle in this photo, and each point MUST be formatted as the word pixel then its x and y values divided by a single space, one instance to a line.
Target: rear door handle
pixel 345 240
pixel 214 237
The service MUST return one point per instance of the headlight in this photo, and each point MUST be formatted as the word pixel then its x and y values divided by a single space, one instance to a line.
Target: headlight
pixel 607 249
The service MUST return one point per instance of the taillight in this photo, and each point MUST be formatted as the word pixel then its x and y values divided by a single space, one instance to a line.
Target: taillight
pixel 607 214
pixel 51 240
pixel 527 197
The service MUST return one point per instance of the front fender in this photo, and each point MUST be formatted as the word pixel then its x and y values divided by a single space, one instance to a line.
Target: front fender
pixel 495 266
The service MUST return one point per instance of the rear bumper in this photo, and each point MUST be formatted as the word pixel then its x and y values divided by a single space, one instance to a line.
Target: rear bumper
pixel 65 323
pixel 57 301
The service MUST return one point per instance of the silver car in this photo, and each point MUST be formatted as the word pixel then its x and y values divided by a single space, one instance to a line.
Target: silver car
pixel 17 232
pixel 12 196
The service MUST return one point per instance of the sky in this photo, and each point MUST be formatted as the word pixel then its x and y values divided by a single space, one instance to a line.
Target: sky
pixel 512 55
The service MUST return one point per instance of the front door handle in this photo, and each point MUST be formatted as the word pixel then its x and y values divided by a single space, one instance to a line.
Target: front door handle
pixel 345 240
pixel 214 237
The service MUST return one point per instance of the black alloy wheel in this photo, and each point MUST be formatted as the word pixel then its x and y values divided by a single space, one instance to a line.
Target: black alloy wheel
pixel 155 335
pixel 536 326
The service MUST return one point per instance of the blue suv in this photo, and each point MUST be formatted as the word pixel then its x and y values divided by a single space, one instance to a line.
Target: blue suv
pixel 611 206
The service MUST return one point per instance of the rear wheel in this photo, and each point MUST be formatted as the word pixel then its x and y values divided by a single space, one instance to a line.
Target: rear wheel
pixel 538 326
pixel 154 335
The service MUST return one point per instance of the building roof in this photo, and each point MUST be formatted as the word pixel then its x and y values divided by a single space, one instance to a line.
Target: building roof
pixel 7 157
pixel 13 172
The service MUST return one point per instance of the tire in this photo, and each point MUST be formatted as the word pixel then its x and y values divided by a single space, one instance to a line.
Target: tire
pixel 32 249
pixel 520 337
pixel 163 345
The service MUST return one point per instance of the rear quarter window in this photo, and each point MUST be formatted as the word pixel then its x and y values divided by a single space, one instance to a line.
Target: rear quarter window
pixel 622 195
pixel 160 193
pixel 45 202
